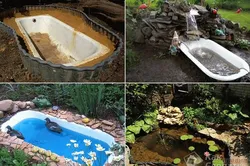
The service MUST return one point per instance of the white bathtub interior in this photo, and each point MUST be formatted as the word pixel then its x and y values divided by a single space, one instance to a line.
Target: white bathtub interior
pixel 77 46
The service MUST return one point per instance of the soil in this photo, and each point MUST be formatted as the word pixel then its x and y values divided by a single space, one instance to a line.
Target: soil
pixel 153 68
pixel 48 50
pixel 114 73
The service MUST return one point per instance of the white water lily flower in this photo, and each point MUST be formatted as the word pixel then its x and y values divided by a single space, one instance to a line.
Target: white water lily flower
pixel 108 152
pixel 74 153
pixel 68 144
pixel 76 145
pixel 73 141
pixel 118 158
pixel 89 162
pixel 99 147
pixel 81 152
pixel 93 155
pixel 75 157
pixel 87 142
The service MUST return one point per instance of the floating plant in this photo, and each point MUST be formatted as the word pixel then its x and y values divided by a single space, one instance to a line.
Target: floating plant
pixel 210 143
pixel 191 148
pixel 186 137
pixel 177 161
pixel 218 162
pixel 213 148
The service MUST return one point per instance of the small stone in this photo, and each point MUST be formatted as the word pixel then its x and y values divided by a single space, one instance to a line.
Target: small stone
pixel 170 14
pixel 31 104
pixel 36 158
pixel 1 114
pixel 161 26
pixel 6 105
pixel 95 126
pixel 91 122
pixel 120 132
pixel 13 146
pixel 15 108
pixel 13 138
pixel 70 119
pixel 52 164
pixel 107 123
pixel 23 146
pixel 109 128
pixel 147 31
pixel 175 18
pixel 31 153
pixel 5 143
pixel 153 14
pixel 63 116
pixel 139 37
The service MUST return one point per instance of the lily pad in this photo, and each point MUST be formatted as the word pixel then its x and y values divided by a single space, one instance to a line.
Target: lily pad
pixel 184 137
pixel 210 143
pixel 191 148
pixel 190 136
pixel 177 161
pixel 213 148
pixel 218 162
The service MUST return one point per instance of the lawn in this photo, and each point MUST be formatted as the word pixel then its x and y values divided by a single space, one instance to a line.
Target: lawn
pixel 243 18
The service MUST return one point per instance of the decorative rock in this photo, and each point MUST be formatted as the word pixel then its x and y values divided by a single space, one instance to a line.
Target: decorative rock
pixel 6 105
pixel 1 114
pixel 21 105
pixel 139 37
pixel 15 108
pixel 109 128
pixel 152 14
pixel 95 126
pixel 147 32
pixel 170 115
pixel 175 18
pixel 170 14
pixel 107 123
pixel 91 122
pixel 161 26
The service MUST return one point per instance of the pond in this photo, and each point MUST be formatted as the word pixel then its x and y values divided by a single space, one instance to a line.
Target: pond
pixel 152 148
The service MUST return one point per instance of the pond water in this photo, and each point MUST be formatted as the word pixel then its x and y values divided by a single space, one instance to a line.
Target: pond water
pixel 36 133
pixel 151 148
pixel 213 62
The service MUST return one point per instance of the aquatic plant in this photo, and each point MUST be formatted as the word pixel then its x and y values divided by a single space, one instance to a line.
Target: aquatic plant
pixel 210 143
pixel 218 162
pixel 213 148
pixel 186 137
pixel 191 148
pixel 207 154
pixel 87 142
pixel 99 147
pixel 177 161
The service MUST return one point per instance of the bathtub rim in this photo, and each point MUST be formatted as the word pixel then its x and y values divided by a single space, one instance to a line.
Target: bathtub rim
pixel 15 120
pixel 118 44
pixel 242 71
pixel 99 46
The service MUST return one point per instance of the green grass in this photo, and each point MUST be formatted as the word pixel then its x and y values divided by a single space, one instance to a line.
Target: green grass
pixel 243 18
pixel 244 4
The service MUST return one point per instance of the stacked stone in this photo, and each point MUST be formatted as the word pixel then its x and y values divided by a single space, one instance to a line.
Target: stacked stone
pixel 158 29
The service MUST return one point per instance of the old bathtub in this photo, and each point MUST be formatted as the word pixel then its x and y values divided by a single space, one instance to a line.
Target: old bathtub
pixel 224 56
pixel 52 40
pixel 32 125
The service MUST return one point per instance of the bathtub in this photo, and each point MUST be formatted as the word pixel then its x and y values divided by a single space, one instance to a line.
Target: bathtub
pixel 66 46
pixel 94 133
pixel 226 55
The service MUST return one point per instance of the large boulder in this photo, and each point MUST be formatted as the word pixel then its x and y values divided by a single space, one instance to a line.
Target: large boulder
pixel 6 105
pixel 171 116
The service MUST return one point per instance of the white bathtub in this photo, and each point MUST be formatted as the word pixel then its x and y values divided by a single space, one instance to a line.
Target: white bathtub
pixel 78 47
pixel 221 51
pixel 94 133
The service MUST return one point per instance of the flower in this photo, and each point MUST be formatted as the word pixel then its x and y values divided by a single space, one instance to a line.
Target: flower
pixel 108 152
pixel 207 154
pixel 118 158
pixel 76 145
pixel 87 142
pixel 89 162
pixel 73 141
pixel 81 152
pixel 75 157
pixel 68 144
pixel 93 155
pixel 99 147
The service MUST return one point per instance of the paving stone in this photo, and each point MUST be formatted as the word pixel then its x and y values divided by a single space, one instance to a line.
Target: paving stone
pixel 63 116
pixel 70 119
pixel 22 146
pixel 12 139
pixel 95 126
pixel 91 122
pixel 109 128
pixel 4 143
pixel 107 123
pixel 13 146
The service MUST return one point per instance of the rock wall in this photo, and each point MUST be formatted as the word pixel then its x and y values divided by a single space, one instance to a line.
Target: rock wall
pixel 158 28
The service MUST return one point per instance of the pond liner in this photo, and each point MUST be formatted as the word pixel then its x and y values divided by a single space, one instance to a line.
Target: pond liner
pixel 58 72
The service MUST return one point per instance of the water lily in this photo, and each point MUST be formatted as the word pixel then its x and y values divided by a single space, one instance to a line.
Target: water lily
pixel 87 142
pixel 207 154
pixel 76 145
pixel 73 141
pixel 93 155
pixel 89 162
pixel 74 153
pixel 75 157
pixel 68 144
pixel 118 158
pixel 81 152
pixel 99 147
pixel 108 152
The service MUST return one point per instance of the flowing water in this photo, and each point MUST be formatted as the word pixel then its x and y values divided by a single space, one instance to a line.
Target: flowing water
pixel 36 133
pixel 213 62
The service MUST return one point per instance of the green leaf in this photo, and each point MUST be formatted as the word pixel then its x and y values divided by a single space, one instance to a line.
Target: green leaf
pixel 184 137
pixel 210 143
pixel 190 136
pixel 149 121
pixel 218 162
pixel 177 161
pixel 213 148
pixel 147 128
pixel 191 148
pixel 139 123
pixel 135 129
pixel 244 115
pixel 233 116
pixel 130 137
